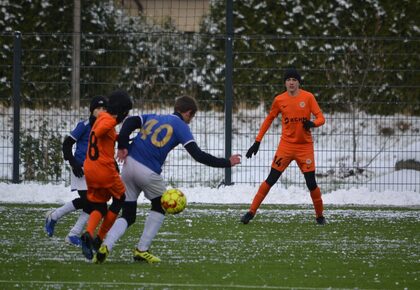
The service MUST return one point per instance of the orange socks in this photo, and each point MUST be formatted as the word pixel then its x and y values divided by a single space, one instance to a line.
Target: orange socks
pixel 94 220
pixel 317 201
pixel 259 197
pixel 107 224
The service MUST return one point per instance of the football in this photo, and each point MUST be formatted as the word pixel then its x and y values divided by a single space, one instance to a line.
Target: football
pixel 173 201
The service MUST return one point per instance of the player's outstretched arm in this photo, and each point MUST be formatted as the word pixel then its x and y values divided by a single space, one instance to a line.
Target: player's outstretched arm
pixel 206 158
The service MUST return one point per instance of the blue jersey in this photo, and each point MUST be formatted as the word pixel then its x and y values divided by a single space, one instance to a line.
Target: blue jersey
pixel 158 136
pixel 81 135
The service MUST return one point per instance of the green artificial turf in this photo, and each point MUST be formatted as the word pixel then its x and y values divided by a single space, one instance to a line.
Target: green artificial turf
pixel 206 247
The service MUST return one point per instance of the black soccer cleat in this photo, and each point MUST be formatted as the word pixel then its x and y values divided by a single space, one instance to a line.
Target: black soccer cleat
pixel 87 245
pixel 96 243
pixel 247 217
pixel 321 220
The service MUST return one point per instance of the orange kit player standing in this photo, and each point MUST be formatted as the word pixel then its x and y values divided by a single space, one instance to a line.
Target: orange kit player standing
pixel 102 176
pixel 295 106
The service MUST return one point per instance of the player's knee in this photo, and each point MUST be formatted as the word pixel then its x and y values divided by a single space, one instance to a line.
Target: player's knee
pixel 129 210
pixel 82 194
pixel 273 176
pixel 81 202
pixel 78 203
pixel 101 207
pixel 310 180
pixel 117 204
pixel 156 206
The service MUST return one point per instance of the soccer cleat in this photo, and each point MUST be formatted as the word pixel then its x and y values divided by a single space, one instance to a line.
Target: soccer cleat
pixel 145 256
pixel 96 243
pixel 101 255
pixel 73 240
pixel 87 245
pixel 247 217
pixel 50 223
pixel 321 220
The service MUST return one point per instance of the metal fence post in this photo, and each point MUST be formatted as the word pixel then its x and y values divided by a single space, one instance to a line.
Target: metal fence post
pixel 17 55
pixel 228 88
pixel 75 75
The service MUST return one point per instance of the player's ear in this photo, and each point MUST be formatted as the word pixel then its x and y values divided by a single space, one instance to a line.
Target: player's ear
pixel 191 113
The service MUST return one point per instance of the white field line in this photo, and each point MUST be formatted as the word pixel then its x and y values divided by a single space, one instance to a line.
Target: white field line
pixel 185 286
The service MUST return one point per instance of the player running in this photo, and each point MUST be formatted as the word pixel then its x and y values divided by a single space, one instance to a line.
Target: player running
pixel 144 159
pixel 80 137
pixel 102 176
pixel 295 106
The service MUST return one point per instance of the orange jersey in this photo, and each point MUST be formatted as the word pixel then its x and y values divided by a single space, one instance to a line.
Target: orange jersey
pixel 99 165
pixel 294 111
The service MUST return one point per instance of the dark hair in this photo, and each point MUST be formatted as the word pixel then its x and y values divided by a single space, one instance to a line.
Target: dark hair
pixel 184 104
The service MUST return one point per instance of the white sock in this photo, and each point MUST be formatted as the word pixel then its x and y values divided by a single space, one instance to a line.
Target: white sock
pixel 115 233
pixel 151 227
pixel 78 227
pixel 63 210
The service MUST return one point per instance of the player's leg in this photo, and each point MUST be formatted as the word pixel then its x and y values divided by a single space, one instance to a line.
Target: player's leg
pixel 153 190
pixel 54 215
pixel 130 175
pixel 97 211
pixel 262 192
pixel 316 196
pixel 151 227
pixel 306 162
pixel 281 161
pixel 75 232
pixel 111 216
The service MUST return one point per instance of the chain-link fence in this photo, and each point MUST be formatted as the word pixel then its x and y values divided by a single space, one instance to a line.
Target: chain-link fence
pixel 367 87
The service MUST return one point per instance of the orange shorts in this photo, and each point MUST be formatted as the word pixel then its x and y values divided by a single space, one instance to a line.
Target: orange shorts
pixel 303 154
pixel 99 195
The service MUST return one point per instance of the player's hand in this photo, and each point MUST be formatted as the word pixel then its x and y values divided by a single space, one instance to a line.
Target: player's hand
pixel 116 166
pixel 76 168
pixel 235 159
pixel 308 125
pixel 122 155
pixel 253 149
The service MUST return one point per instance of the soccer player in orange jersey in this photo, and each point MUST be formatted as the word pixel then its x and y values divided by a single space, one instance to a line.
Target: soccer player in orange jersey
pixel 296 107
pixel 102 176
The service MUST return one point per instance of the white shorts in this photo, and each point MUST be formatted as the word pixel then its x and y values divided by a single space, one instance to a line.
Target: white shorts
pixel 77 183
pixel 138 178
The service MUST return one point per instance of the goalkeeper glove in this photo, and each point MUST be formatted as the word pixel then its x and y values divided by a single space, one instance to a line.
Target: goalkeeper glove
pixel 253 149
pixel 308 124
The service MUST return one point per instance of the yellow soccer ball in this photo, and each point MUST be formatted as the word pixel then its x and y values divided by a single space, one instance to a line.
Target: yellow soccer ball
pixel 173 201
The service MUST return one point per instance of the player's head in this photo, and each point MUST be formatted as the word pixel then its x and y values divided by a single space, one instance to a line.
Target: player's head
pixel 119 104
pixel 292 73
pixel 97 102
pixel 187 107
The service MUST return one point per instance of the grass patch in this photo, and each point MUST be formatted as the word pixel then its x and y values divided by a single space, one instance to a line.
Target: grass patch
pixel 206 247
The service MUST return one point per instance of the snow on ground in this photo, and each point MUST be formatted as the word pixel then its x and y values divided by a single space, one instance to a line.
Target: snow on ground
pixel 236 194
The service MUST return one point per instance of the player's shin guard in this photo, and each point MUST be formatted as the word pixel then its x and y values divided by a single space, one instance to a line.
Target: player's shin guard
pixel 317 201
pixel 63 210
pixel 79 225
pixel 107 224
pixel 151 227
pixel 115 233
pixel 259 197
pixel 94 220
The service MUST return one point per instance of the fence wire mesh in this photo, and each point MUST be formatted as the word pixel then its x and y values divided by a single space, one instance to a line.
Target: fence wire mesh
pixel 367 90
